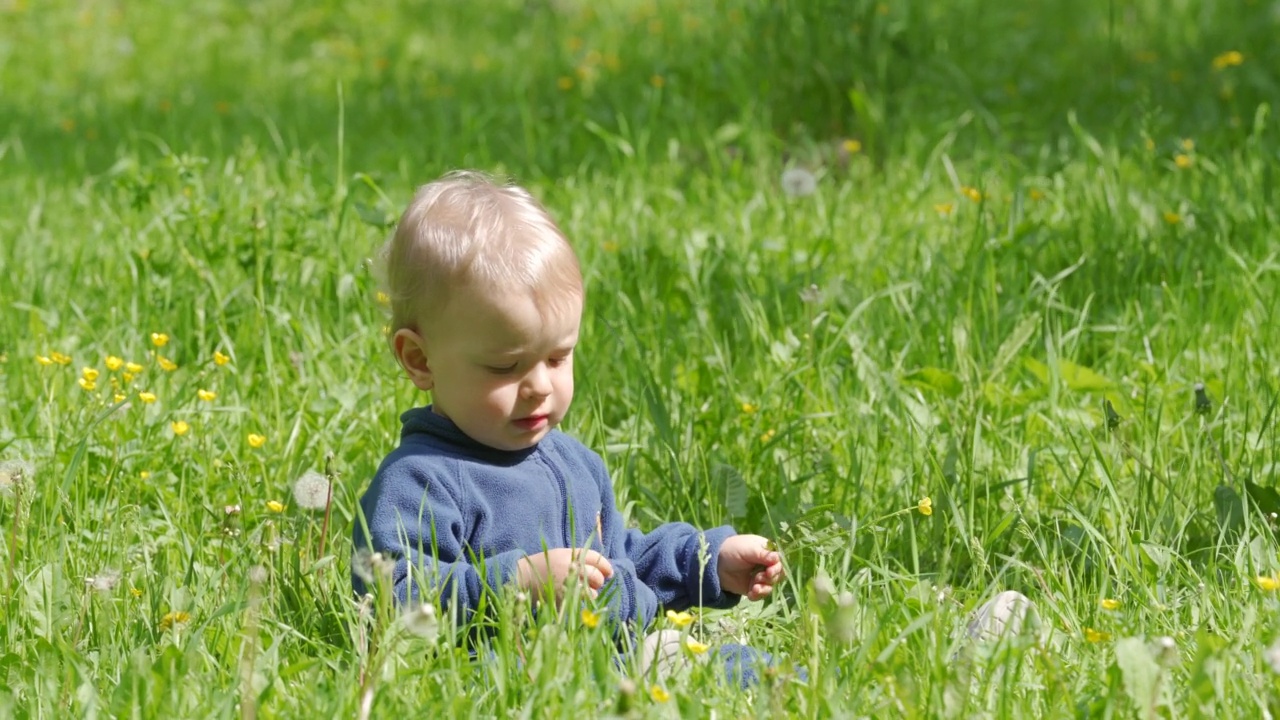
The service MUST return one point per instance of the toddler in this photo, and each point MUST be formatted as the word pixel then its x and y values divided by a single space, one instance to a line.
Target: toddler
pixel 484 492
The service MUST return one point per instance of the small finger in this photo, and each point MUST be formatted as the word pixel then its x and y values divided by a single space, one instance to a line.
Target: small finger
pixel 595 559
pixel 595 578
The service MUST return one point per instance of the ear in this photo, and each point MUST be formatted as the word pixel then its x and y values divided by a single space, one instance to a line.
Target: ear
pixel 411 351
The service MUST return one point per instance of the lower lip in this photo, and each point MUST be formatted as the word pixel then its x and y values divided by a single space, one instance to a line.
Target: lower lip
pixel 532 423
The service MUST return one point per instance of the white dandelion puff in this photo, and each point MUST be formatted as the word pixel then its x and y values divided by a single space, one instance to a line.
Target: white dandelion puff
pixel 103 582
pixel 311 491
pixel 798 182
pixel 14 473
pixel 258 574
pixel 1272 656
pixel 1165 650
pixel 421 621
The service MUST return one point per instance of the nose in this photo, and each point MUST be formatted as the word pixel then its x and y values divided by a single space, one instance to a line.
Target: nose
pixel 537 383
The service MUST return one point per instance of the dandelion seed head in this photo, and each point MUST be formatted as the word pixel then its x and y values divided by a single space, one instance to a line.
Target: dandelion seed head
pixel 258 574
pixel 421 621
pixel 14 473
pixel 798 182
pixel 105 581
pixel 1272 656
pixel 311 490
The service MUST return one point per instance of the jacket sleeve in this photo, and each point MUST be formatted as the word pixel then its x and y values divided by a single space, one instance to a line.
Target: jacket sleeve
pixel 415 516
pixel 663 568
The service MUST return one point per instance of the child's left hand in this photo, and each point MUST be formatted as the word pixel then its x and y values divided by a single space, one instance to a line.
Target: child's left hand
pixel 748 567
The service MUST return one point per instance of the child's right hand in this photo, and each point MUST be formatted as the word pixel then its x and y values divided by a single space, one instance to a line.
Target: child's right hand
pixel 536 572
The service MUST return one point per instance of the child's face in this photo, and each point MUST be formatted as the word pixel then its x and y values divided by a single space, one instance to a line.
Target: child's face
pixel 501 370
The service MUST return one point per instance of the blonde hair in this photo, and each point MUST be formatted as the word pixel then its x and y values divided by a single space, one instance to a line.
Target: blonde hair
pixel 466 229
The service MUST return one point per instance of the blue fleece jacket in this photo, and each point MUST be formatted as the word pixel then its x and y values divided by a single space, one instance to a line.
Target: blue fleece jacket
pixel 458 515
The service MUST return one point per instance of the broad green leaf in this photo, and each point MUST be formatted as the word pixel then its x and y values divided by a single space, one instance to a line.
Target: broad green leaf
pixel 1079 377
pixel 1140 671
pixel 932 378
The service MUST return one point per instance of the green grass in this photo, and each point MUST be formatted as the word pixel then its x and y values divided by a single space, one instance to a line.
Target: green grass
pixel 1015 243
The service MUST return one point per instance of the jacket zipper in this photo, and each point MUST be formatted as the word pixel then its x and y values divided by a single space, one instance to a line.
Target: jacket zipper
pixel 564 499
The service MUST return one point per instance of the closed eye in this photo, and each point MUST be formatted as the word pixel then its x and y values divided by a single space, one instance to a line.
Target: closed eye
pixel 503 370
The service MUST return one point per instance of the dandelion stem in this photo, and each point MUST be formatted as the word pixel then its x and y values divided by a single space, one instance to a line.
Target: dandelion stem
pixel 13 531
pixel 328 505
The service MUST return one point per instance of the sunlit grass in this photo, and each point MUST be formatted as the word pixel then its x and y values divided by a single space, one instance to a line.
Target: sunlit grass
pixel 840 257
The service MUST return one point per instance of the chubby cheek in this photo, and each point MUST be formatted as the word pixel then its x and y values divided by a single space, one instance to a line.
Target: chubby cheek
pixel 564 389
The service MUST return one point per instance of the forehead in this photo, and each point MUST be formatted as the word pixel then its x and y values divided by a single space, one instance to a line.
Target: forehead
pixel 511 321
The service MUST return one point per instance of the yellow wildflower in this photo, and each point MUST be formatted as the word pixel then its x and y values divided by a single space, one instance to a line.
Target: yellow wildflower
pixel 114 363
pixel 972 193
pixel 256 440
pixel 767 435
pixel 851 146
pixel 565 82
pixel 275 506
pixel 658 694
pixel 132 368
pixel 87 384
pixel 383 298
pixel 1096 636
pixel 679 619
pixel 1267 583
pixel 206 395
pixel 1188 144
pixel 166 364
pixel 591 619
pixel 136 592
pixel 1110 604
pixel 1231 58
pixel 127 377
pixel 89 373
pixel 1036 194
pixel 220 359
pixel 657 81
pixel 1172 218
pixel 144 474
pixel 944 209
pixel 925 506
pixel 147 397
pixel 60 358
pixel 749 408
pixel 172 618
pixel 180 427
pixel 695 647
pixel 118 398
pixel 1183 161
pixel 44 360
pixel 159 339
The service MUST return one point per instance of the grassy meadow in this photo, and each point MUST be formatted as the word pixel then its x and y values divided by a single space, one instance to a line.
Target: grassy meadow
pixel 842 256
